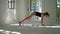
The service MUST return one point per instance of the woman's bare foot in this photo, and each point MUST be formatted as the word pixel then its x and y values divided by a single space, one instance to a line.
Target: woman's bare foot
pixel 19 23
pixel 42 25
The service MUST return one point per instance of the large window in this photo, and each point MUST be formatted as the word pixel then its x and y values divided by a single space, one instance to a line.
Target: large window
pixel 34 5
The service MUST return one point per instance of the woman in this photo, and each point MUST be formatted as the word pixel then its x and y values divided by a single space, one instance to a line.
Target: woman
pixel 42 15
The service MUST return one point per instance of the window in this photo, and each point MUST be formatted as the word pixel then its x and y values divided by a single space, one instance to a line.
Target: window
pixel 11 4
pixel 34 5
pixel 58 9
pixel 11 11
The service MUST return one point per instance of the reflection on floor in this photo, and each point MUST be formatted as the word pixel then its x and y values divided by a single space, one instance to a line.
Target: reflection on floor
pixel 8 32
pixel 34 25
pixel 16 29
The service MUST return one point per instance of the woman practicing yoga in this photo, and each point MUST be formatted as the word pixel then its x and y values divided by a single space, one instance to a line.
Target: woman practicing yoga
pixel 42 15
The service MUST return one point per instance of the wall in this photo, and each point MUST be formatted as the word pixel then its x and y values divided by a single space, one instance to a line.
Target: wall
pixel 7 16
pixel 47 6
pixel 3 11
pixel 50 7
pixel 20 9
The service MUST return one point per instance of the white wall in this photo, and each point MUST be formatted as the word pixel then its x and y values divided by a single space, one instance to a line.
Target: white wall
pixel 20 9
pixel 47 5
pixel 3 11
pixel 50 7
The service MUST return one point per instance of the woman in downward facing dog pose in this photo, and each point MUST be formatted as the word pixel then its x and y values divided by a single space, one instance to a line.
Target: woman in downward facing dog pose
pixel 42 15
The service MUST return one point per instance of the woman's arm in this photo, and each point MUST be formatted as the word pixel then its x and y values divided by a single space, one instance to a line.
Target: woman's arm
pixel 42 20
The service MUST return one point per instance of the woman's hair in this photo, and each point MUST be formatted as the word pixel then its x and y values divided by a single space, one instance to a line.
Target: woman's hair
pixel 46 13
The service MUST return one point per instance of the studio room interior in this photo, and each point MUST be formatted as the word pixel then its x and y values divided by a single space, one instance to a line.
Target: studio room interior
pixel 13 15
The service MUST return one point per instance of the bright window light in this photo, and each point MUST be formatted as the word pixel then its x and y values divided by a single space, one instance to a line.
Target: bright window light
pixel 8 32
pixel 11 4
pixel 1 30
pixel 16 32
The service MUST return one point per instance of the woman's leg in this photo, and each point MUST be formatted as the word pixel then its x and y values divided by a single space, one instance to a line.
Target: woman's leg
pixel 27 18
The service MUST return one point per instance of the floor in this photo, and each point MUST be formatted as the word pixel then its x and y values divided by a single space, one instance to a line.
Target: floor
pixel 8 29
